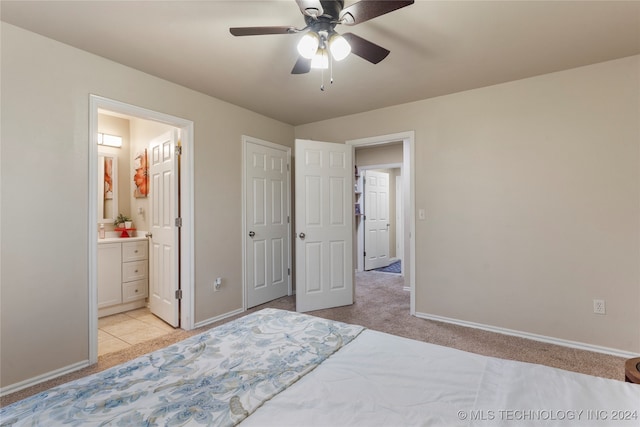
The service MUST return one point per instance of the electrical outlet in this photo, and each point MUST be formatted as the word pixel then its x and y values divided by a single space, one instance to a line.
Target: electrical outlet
pixel 599 306
pixel 217 283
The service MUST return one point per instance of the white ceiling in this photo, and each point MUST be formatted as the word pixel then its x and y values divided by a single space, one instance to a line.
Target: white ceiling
pixel 437 47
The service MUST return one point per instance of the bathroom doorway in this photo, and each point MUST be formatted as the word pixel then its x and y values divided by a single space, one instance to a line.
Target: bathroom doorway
pixel 137 258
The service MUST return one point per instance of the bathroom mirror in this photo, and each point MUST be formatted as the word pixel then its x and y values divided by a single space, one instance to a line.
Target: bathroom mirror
pixel 107 187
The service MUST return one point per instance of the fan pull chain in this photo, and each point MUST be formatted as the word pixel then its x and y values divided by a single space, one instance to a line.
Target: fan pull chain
pixel 330 74
pixel 331 69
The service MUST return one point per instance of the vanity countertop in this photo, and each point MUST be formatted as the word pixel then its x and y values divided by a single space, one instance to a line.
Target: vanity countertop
pixel 114 237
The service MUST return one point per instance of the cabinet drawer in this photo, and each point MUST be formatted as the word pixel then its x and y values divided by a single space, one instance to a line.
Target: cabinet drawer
pixel 134 270
pixel 134 290
pixel 135 251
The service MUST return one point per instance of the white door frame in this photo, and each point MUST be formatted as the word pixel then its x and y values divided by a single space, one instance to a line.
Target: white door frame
pixel 186 210
pixel 408 183
pixel 399 221
pixel 246 140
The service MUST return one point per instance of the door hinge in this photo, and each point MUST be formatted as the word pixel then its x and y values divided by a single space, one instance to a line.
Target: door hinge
pixel 179 150
pixel 287 167
pixel 179 222
pixel 287 219
pixel 178 293
pixel 365 253
pixel 288 272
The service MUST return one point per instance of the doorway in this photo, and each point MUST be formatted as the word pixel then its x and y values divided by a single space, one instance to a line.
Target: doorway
pixel 183 198
pixel 407 193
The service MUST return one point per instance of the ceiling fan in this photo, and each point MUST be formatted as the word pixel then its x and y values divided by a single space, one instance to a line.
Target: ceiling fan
pixel 321 18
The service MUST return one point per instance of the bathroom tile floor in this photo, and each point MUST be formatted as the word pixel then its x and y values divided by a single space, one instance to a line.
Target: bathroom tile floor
pixel 123 330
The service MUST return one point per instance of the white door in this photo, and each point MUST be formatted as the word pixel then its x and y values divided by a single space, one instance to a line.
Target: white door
pixel 376 219
pixel 163 256
pixel 324 224
pixel 266 221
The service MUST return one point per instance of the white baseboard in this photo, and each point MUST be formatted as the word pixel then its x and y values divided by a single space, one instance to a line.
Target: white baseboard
pixel 42 378
pixel 218 318
pixel 543 338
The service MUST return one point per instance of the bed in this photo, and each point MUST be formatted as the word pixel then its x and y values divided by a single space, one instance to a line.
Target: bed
pixel 281 368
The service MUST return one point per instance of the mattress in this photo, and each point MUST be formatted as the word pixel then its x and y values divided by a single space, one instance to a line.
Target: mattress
pixel 279 368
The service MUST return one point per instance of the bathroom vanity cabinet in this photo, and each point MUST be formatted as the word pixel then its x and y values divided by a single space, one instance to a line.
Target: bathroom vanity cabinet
pixel 123 275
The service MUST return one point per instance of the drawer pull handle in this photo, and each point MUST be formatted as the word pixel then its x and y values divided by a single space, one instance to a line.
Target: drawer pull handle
pixel 136 251
pixel 136 271
pixel 136 291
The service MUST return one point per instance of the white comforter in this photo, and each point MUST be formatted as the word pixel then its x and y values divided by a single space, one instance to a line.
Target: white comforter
pixel 385 380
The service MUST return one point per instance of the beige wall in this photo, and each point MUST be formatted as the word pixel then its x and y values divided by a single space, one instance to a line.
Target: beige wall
pixel 383 155
pixel 44 133
pixel 532 198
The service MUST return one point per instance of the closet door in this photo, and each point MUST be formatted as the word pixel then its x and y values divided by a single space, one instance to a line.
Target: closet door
pixel 266 221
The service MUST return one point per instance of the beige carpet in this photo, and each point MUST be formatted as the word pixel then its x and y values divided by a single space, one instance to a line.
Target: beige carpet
pixel 382 304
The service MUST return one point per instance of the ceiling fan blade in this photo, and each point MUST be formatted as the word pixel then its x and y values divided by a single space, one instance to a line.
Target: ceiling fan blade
pixel 311 8
pixel 303 65
pixel 369 9
pixel 258 31
pixel 366 49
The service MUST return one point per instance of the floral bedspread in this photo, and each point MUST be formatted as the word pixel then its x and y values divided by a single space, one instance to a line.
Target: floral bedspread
pixel 216 378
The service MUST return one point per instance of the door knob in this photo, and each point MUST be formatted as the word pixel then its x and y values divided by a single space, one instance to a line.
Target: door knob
pixel 149 235
pixel 251 234
pixel 301 235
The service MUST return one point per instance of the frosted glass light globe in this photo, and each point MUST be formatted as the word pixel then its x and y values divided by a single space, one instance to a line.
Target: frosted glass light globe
pixel 339 47
pixel 308 45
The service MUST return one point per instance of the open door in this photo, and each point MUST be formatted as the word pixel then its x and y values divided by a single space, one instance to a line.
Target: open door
pixel 324 216
pixel 163 256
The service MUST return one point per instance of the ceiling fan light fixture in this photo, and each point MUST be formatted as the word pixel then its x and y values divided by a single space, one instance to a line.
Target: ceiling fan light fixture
pixel 339 47
pixel 320 59
pixel 308 45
